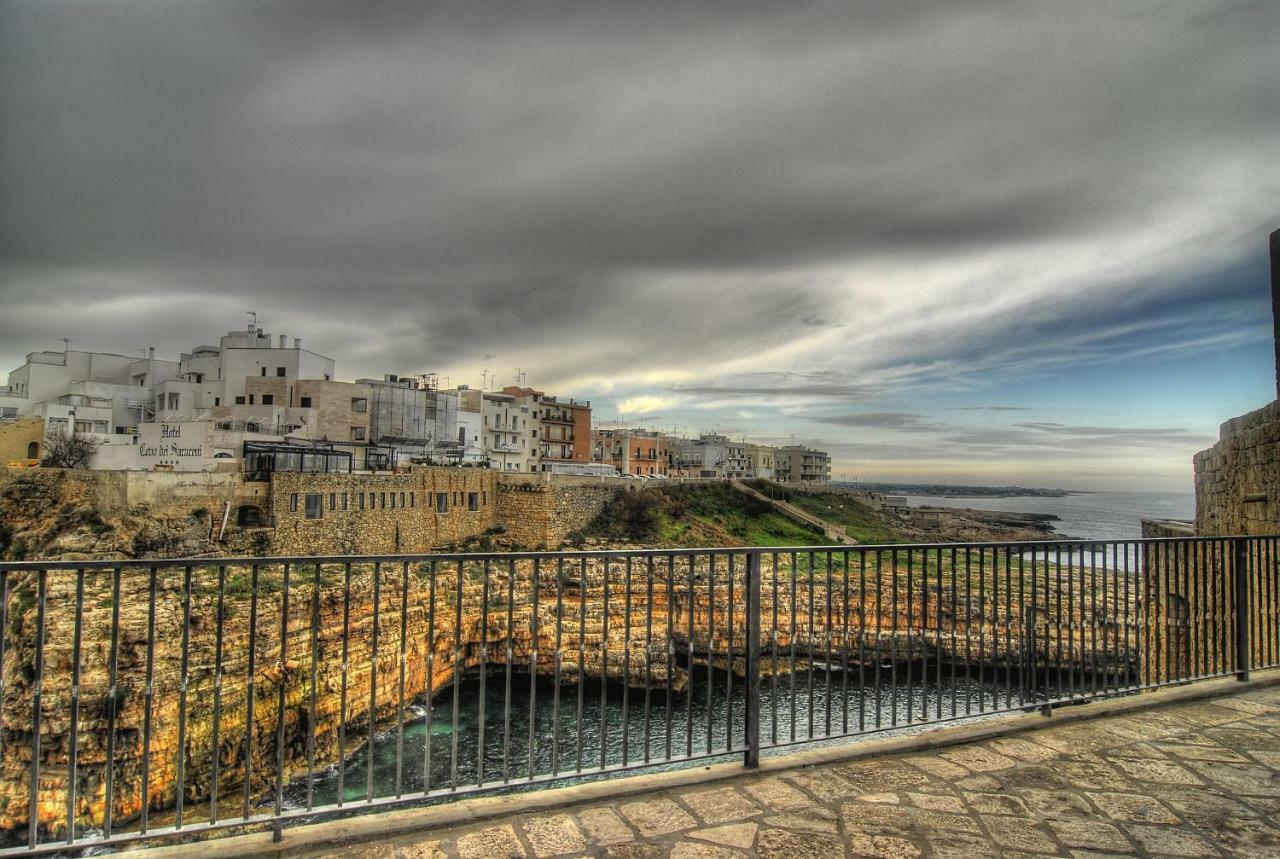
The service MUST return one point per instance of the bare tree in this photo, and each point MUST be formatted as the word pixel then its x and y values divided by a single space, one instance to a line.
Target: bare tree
pixel 62 450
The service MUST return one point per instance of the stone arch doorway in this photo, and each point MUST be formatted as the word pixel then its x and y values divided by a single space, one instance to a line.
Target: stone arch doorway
pixel 33 450
pixel 250 516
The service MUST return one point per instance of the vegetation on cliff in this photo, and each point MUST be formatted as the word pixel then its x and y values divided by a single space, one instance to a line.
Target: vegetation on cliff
pixel 695 515
pixel 865 524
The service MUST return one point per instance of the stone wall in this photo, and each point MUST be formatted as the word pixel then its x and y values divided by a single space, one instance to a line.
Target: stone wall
pixel 380 514
pixel 541 510
pixel 1238 479
pixel 17 436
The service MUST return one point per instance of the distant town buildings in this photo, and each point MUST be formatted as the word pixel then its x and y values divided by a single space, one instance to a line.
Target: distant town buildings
pixel 260 402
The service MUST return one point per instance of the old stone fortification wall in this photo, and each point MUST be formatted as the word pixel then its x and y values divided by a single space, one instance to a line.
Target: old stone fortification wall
pixel 165 493
pixel 541 510
pixel 1238 479
pixel 381 513
pixel 16 438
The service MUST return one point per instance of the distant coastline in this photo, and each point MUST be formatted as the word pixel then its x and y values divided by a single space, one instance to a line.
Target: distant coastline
pixel 944 490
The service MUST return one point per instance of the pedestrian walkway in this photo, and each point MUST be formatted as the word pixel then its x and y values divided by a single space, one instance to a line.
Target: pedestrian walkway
pixel 1192 779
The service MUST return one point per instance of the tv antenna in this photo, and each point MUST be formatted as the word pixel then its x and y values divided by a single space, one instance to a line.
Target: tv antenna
pixel 253 319
pixel 520 376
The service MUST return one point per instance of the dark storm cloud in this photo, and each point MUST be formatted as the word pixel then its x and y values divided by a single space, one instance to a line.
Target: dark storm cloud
pixel 601 189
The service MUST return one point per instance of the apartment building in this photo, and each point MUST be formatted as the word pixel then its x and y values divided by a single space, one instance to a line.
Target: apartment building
pixel 761 460
pixel 638 452
pixel 561 428
pixel 799 464
pixel 416 418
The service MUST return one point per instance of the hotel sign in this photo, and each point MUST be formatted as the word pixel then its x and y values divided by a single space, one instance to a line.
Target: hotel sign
pixel 183 445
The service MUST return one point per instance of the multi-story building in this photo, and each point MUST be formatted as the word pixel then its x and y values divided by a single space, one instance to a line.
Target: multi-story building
pixel 413 416
pixel 706 456
pixel 761 460
pixel 638 452
pixel 507 427
pixel 800 464
pixel 560 428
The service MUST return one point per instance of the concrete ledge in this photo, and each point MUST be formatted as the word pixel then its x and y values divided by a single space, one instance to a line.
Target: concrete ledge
pixel 330 835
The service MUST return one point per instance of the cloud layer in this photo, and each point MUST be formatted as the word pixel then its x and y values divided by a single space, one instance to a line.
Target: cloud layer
pixel 776 218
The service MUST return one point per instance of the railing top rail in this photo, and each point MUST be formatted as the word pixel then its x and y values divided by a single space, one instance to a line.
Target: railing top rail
pixel 860 548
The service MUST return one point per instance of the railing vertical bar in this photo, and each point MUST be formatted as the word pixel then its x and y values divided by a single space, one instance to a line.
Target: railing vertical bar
pixel 688 686
pixel 482 698
pixel 671 649
pixel 879 643
pixel 751 720
pixel 456 678
pixel 626 661
pixel 346 664
pixel 982 631
pixel 773 667
pixel 313 681
pixel 924 635
pixel 148 697
pixel 1130 618
pixel 429 704
pixel 711 639
pixel 794 626
pixel 281 683
pixel 604 668
pixel 730 607
pixel 4 644
pixel 555 693
pixel 1008 619
pixel 113 695
pixel 510 658
pixel 1095 623
pixel 403 659
pixel 968 630
pixel 535 642
pixel 184 680
pixel 955 641
pixel 844 649
pixel 37 691
pixel 911 648
pixel 73 737
pixel 826 628
pixel 582 657
pixel 862 640
pixel 893 639
pixel 648 659
pixel 809 643
pixel 370 757
pixel 1071 624
pixel 1122 612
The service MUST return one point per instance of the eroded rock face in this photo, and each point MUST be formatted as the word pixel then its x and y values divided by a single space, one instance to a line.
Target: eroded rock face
pixel 236 668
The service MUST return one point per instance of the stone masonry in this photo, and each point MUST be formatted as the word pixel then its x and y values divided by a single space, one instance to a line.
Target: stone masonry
pixel 1238 479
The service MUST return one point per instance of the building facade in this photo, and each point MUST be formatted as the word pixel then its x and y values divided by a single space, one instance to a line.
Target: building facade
pixel 799 464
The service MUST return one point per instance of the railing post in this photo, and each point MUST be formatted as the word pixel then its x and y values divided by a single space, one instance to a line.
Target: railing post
pixel 751 757
pixel 1241 567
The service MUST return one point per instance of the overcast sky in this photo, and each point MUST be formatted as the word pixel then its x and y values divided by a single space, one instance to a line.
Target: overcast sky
pixel 1000 243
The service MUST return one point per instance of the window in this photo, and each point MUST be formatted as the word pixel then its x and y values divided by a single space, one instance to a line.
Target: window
pixel 306 402
pixel 333 501
pixel 280 372
pixel 393 501
pixel 473 501
pixel 359 404
pixel 372 499
pixel 217 401
pixel 382 498
pixel 293 503
pixel 401 499
pixel 361 496
pixel 413 501
pixel 442 502
pixel 268 399
pixel 315 505
pixel 173 401
pixel 357 433
pixel 239 401
pixel 264 371
pixel 251 399
pixel 344 501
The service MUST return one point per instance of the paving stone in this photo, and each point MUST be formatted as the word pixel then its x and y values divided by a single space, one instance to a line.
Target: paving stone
pixel 604 827
pixel 1092 774
pixel 826 786
pixel 1248 837
pixel 937 802
pixel 810 822
pixel 882 798
pixel 1043 777
pixel 1023 749
pixel 422 850
pixel 1247 779
pixel 719 805
pixel 1270 758
pixel 1018 835
pixel 996 803
pixel 1170 841
pixel 690 850
pixel 883 847
pixel 1134 808
pixel 776 794
pixel 1202 752
pixel 659 816
pixel 937 767
pixel 783 844
pixel 979 782
pixel 958 845
pixel 1089 834
pixel 979 759
pixel 1055 804
pixel 881 776
pixel 875 817
pixel 1161 772
pixel 637 850
pixel 554 835
pixel 1244 705
pixel 741 835
pixel 492 842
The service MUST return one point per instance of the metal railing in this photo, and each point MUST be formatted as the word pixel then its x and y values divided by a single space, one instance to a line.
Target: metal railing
pixel 149 699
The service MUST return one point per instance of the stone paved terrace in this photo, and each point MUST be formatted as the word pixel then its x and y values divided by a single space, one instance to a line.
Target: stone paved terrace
pixel 1188 778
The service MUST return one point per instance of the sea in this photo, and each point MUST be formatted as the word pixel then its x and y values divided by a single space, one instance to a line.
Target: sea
pixel 1084 515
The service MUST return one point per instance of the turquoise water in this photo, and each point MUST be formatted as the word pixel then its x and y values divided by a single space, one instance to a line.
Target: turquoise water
pixel 1086 516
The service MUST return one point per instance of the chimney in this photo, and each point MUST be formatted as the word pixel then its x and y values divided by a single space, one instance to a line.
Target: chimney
pixel 1275 300
pixel 282 341
pixel 297 343
pixel 151 351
